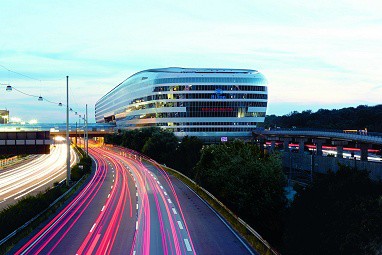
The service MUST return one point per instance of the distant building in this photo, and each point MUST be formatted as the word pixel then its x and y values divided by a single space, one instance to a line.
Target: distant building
pixel 212 104
pixel 4 116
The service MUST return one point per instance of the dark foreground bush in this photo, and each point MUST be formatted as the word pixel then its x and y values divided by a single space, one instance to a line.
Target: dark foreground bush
pixel 339 214
pixel 14 216
pixel 82 168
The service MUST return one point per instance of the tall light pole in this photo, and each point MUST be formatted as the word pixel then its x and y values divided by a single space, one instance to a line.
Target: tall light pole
pixel 87 134
pixel 67 134
pixel 79 126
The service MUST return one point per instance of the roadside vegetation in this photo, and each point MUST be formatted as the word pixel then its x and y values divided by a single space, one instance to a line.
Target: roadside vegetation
pixel 341 213
pixel 248 184
pixel 16 215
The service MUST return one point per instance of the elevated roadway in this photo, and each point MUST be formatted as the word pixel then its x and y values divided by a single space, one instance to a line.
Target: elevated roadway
pixel 361 140
pixel 351 137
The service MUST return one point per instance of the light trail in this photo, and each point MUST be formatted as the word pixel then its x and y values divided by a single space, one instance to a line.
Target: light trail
pixel 34 175
pixel 165 223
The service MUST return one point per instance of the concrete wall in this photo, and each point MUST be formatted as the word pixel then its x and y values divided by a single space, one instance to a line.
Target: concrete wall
pixel 25 142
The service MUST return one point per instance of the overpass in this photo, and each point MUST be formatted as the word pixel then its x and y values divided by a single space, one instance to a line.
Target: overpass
pixel 363 141
pixel 17 139
pixel 25 142
pixel 310 143
pixel 80 133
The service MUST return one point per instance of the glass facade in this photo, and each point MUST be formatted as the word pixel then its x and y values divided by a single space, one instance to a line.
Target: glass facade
pixel 198 102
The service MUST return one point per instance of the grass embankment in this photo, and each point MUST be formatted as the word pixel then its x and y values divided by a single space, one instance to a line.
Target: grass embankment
pixel 254 240
pixel 29 212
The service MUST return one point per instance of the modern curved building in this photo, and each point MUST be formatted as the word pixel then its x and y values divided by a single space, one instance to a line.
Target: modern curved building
pixel 212 104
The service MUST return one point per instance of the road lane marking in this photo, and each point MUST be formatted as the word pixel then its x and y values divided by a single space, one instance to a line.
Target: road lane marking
pixel 158 182
pixel 169 200
pixel 136 194
pixel 137 206
pixel 136 225
pixel 111 187
pixel 161 187
pixel 108 196
pixel 187 243
pixel 91 230
pixel 103 208
pixel 165 193
pixel 174 211
pixel 180 224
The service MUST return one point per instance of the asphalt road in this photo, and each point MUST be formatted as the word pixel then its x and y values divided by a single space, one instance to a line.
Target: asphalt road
pixel 207 231
pixel 34 175
pixel 94 221
pixel 130 207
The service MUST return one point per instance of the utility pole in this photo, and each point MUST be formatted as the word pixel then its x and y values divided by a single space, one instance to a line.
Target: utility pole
pixel 84 133
pixel 67 134
pixel 76 135
pixel 87 134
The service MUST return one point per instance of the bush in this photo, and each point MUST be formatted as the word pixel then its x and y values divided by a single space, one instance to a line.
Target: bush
pixel 339 214
pixel 77 172
pixel 251 186
pixel 14 216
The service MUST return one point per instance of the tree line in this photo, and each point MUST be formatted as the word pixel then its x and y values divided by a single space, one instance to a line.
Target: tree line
pixel 357 118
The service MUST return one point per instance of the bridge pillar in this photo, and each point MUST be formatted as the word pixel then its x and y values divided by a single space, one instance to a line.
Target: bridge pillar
pixel 319 143
pixel 301 145
pixel 273 140
pixel 340 147
pixel 273 145
pixel 340 151
pixel 286 142
pixel 364 151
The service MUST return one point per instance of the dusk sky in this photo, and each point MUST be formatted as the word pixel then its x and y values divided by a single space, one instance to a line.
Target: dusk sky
pixel 315 54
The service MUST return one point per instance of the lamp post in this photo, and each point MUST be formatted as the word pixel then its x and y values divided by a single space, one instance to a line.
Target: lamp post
pixel 87 134
pixel 67 134
pixel 79 126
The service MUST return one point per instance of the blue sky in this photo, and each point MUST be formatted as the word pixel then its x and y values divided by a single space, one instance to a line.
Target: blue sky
pixel 315 54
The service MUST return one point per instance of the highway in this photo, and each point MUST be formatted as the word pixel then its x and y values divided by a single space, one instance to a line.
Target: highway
pixel 131 207
pixel 34 175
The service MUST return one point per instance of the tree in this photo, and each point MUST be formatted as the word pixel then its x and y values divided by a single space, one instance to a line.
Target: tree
pixel 251 186
pixel 161 146
pixel 188 154
pixel 340 214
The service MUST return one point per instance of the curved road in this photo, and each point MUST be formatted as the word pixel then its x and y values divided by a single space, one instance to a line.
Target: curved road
pixel 34 176
pixel 130 207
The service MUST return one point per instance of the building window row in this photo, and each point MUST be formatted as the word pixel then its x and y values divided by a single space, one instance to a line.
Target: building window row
pixel 209 87
pixel 209 79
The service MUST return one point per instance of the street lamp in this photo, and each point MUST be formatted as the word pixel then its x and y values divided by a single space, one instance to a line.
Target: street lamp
pixel 67 134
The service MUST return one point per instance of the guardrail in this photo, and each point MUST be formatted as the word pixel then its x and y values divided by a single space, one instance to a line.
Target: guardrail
pixel 254 238
pixel 11 235
pixel 5 239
